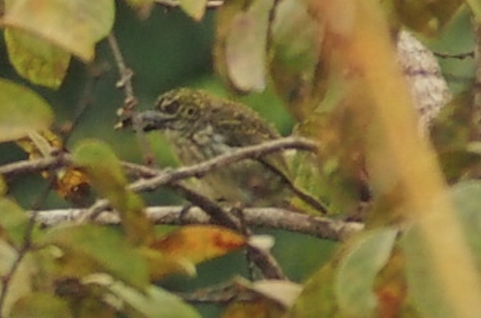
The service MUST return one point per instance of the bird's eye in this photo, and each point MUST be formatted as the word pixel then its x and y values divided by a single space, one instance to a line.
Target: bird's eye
pixel 190 111
pixel 170 108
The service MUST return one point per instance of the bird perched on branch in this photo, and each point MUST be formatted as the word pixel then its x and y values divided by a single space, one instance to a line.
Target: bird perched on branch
pixel 201 126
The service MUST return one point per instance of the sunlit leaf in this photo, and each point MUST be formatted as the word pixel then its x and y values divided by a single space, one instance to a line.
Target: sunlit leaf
pixel 194 8
pixel 358 269
pixel 41 305
pixel 107 177
pixel 91 249
pixel 14 221
pixel 73 25
pixel 154 303
pixel 241 44
pixel 199 243
pixel 36 59
pixel 424 285
pixel 21 111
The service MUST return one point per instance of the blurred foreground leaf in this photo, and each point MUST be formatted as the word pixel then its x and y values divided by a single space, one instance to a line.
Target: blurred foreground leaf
pixel 36 59
pixel 41 305
pixel 21 111
pixel 13 222
pixel 259 308
pixel 107 177
pixel 154 303
pixel 424 285
pixel 73 25
pixel 93 249
pixel 358 270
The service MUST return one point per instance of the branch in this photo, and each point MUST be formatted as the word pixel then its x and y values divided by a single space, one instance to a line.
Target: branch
pixel 35 165
pixel 126 73
pixel 162 177
pixel 159 178
pixel 130 100
pixel 175 3
pixel 273 218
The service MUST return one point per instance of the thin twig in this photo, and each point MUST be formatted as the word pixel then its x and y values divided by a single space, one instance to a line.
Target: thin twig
pixel 126 73
pixel 130 101
pixel 175 3
pixel 35 165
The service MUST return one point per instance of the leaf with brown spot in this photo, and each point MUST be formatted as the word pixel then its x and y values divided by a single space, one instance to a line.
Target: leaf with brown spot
pixel 199 243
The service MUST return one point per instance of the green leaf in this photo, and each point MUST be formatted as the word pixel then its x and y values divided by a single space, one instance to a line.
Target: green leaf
pixel 41 305
pixel 154 303
pixel 103 247
pixel 107 177
pixel 358 270
pixel 424 287
pixel 104 170
pixel 14 221
pixel 36 59
pixel 21 111
pixel 194 8
pixel 73 25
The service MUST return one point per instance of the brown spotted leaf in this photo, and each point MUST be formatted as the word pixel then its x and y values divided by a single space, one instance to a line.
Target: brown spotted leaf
pixel 199 243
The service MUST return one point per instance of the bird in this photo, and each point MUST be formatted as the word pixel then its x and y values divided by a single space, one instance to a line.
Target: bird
pixel 200 126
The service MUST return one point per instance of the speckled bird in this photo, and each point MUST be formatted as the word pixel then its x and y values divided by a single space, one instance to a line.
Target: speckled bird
pixel 201 126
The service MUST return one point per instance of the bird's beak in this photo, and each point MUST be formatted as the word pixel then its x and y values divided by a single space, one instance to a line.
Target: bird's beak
pixel 151 120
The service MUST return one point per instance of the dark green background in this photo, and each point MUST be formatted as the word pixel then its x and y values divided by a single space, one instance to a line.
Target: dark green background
pixel 169 50
pixel 166 51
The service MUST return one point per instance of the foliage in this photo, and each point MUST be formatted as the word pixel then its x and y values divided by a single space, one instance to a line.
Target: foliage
pixel 333 65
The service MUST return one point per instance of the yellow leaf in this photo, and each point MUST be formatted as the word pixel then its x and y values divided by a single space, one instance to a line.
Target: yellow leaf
pixel 36 59
pixel 71 24
pixel 199 243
